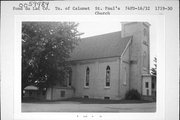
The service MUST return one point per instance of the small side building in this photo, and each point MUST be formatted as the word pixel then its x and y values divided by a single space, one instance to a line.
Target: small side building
pixel 32 91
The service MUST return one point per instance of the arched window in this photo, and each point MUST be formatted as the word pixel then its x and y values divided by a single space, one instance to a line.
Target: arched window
pixel 108 76
pixel 87 76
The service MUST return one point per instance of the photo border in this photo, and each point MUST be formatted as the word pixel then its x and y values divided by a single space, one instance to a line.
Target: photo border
pixel 160 103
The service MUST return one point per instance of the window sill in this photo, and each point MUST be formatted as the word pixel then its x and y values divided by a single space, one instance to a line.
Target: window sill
pixel 86 87
pixel 107 87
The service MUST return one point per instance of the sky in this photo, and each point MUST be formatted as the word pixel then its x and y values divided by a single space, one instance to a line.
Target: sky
pixel 99 27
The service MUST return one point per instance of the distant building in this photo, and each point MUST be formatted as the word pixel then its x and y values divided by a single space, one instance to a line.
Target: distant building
pixel 107 66
pixel 32 91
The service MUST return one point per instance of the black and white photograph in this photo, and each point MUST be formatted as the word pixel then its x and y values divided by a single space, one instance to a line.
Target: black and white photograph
pixel 89 60
pixel 69 67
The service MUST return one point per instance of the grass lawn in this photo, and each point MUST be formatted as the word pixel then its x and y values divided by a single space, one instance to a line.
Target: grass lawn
pixel 85 101
pixel 87 105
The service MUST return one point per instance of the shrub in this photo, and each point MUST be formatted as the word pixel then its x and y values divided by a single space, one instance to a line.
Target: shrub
pixel 132 95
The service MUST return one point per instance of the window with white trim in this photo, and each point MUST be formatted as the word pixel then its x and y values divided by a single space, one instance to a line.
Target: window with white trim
pixel 108 76
pixel 87 77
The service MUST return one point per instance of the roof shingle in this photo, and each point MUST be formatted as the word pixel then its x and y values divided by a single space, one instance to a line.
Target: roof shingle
pixel 100 46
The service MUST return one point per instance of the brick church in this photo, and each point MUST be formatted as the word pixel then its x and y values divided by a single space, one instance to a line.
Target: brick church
pixel 107 66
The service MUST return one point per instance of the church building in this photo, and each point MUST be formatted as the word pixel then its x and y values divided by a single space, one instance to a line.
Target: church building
pixel 107 66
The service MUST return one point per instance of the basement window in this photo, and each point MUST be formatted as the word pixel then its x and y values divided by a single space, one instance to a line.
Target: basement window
pixel 85 96
pixel 62 93
pixel 106 98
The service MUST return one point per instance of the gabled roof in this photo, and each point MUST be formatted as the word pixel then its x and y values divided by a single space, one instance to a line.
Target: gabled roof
pixel 100 46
